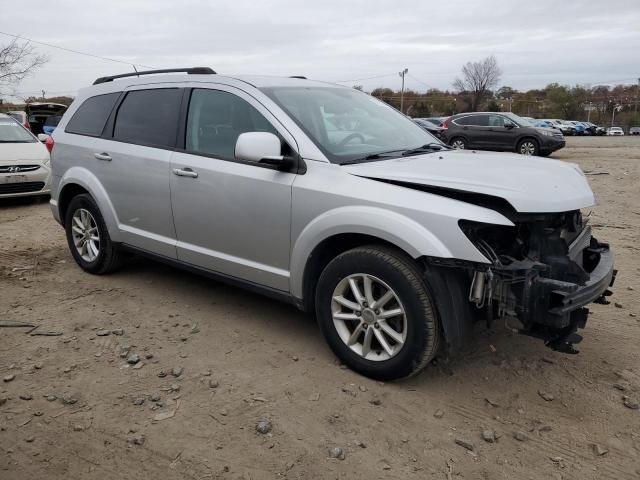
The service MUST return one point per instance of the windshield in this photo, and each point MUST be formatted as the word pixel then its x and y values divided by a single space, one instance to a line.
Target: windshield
pixel 523 122
pixel 53 121
pixel 12 132
pixel 350 126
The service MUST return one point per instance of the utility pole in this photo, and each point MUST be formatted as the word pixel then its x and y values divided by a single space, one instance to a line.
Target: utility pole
pixel 637 94
pixel 42 94
pixel 589 112
pixel 402 74
pixel 613 113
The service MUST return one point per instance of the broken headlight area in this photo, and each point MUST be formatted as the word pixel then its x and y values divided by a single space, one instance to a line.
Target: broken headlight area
pixel 542 273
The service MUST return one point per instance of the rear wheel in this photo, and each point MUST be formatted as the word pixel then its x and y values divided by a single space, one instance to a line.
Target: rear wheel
pixel 88 237
pixel 375 310
pixel 528 146
pixel 458 143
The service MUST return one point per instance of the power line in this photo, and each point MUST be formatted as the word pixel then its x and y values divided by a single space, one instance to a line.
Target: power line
pixel 366 78
pixel 420 81
pixel 20 37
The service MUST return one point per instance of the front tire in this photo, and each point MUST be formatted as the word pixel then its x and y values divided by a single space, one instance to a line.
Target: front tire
pixel 88 237
pixel 375 310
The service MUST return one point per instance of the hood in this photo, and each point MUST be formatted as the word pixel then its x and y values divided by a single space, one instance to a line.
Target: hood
pixel 22 153
pixel 529 184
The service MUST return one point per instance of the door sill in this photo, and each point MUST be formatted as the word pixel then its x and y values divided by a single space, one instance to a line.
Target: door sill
pixel 279 295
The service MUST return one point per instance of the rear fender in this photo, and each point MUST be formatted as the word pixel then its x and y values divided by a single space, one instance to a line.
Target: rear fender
pixel 87 180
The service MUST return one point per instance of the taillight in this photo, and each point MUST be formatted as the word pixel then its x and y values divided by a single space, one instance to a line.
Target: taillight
pixel 49 143
pixel 27 126
pixel 445 124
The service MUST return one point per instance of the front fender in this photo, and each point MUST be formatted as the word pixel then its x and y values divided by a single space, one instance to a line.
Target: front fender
pixel 392 227
pixel 87 180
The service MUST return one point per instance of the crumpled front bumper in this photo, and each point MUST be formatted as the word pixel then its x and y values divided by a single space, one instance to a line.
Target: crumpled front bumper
pixel 554 309
pixel 562 302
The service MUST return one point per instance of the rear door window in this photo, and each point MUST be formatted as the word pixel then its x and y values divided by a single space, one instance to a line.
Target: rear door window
pixel 473 121
pixel 149 117
pixel 92 115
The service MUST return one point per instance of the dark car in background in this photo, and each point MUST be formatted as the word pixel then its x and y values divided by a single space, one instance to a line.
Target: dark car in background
pixel 38 113
pixel 437 121
pixel 500 132
pixel 50 124
pixel 634 131
pixel 429 127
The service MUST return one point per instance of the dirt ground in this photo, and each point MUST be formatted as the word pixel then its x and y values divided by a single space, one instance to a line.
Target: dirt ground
pixel 77 410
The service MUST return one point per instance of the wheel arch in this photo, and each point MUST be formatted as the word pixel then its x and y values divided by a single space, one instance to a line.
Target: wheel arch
pixel 459 135
pixel 77 181
pixel 524 137
pixel 339 230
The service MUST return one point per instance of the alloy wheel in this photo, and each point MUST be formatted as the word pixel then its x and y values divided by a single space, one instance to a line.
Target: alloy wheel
pixel 369 317
pixel 458 144
pixel 527 148
pixel 86 236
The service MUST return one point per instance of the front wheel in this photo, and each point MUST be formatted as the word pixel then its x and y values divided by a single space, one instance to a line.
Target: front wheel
pixel 375 310
pixel 528 146
pixel 88 237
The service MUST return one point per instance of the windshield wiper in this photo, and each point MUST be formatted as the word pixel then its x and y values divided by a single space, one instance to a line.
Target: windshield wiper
pixel 427 147
pixel 373 156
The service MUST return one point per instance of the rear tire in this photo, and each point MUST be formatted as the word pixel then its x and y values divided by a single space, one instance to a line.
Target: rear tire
pixel 88 237
pixel 404 332
pixel 458 143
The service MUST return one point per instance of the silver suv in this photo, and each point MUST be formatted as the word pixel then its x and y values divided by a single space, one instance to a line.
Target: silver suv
pixel 329 199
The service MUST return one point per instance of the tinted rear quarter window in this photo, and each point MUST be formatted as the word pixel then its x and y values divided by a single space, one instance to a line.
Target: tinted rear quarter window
pixel 92 115
pixel 473 120
pixel 149 117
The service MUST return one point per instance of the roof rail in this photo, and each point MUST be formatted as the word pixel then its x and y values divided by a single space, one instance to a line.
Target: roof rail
pixel 298 76
pixel 191 71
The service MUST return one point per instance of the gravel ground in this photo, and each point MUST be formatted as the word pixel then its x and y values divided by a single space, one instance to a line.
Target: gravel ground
pixel 158 373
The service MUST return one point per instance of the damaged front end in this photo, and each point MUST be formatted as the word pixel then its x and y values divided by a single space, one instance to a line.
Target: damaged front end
pixel 543 272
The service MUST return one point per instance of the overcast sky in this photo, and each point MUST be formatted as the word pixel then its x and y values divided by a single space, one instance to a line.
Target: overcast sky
pixel 535 42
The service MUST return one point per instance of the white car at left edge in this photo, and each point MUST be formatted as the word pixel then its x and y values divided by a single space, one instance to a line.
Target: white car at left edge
pixel 25 168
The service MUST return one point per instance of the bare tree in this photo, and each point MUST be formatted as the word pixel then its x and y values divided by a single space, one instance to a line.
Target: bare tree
pixel 17 60
pixel 478 78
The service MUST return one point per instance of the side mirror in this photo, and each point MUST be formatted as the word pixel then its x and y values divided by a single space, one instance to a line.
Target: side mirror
pixel 509 125
pixel 261 147
pixel 43 137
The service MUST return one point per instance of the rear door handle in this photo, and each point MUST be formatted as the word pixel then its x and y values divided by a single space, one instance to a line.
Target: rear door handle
pixel 185 172
pixel 105 157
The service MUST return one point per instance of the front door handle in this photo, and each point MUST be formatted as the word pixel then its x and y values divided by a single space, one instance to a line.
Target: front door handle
pixel 105 157
pixel 185 172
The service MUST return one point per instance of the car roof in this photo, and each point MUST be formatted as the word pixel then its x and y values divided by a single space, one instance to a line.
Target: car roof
pixel 258 81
